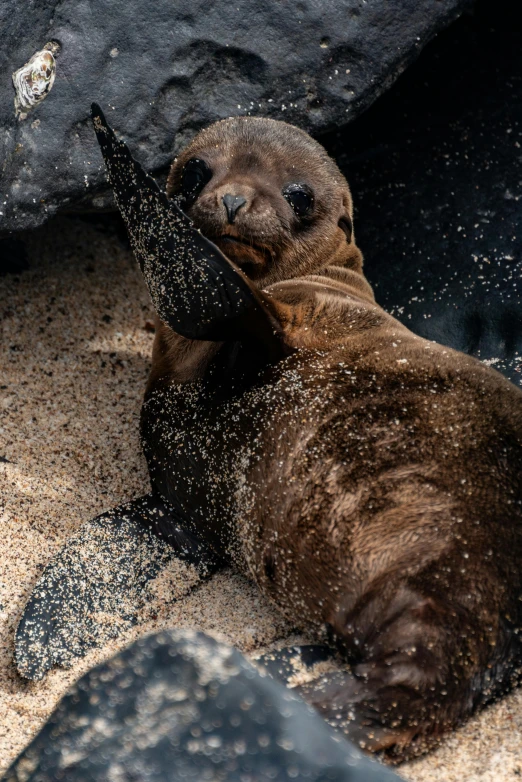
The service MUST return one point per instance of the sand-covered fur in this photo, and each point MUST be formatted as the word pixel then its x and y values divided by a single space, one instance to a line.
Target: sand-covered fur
pixel 72 441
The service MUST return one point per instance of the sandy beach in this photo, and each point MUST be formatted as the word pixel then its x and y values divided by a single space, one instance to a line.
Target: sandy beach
pixel 74 357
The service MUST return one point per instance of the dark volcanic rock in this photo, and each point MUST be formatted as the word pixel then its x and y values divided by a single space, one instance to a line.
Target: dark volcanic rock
pixel 168 68
pixel 435 167
pixel 180 706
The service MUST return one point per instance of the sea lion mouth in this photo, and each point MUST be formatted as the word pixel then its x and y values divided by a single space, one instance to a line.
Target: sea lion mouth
pixel 251 257
pixel 244 242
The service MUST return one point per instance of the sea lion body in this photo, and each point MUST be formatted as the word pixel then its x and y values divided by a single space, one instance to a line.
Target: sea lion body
pixel 369 481
pixel 370 484
pixel 377 439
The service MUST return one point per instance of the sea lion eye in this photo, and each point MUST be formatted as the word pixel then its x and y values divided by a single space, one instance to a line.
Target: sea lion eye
pixel 300 198
pixel 195 176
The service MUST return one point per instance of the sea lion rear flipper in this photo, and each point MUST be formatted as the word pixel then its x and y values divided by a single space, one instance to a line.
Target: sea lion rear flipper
pixel 283 664
pixel 196 290
pixel 94 587
pixel 344 700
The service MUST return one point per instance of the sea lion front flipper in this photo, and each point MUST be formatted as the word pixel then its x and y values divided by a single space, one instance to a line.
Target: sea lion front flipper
pixel 94 587
pixel 196 290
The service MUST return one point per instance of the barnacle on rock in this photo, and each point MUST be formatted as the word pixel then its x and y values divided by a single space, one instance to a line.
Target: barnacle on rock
pixel 34 80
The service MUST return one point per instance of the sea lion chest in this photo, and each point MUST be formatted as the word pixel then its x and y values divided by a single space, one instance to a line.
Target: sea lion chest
pixel 201 440
pixel 189 445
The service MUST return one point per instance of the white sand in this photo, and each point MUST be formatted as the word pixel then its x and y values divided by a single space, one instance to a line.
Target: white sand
pixel 71 385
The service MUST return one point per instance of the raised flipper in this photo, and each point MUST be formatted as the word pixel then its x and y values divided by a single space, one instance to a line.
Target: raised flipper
pixel 94 587
pixel 196 290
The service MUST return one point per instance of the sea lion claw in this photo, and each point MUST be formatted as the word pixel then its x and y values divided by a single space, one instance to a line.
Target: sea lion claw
pixel 196 290
pixel 94 587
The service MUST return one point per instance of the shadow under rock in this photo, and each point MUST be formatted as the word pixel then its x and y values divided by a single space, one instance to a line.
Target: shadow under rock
pixel 13 256
pixel 435 166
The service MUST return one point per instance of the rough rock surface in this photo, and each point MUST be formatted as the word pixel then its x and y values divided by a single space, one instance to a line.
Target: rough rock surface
pixel 178 705
pixel 167 69
pixel 435 168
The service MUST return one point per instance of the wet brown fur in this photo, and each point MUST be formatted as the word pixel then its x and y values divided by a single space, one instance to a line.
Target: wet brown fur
pixel 385 505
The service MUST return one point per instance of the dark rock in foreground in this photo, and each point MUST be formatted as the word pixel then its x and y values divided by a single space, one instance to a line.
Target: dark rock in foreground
pixel 180 706
pixel 168 68
pixel 435 168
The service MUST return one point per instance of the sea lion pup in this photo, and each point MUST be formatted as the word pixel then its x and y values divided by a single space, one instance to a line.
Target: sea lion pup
pixel 367 479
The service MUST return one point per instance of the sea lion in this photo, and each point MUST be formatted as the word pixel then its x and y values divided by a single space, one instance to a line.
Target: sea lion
pixel 368 480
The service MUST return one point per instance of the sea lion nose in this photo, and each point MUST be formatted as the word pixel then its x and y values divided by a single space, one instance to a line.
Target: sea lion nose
pixel 232 204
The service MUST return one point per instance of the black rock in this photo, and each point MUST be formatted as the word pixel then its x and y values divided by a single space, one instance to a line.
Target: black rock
pixel 178 705
pixel 435 167
pixel 168 68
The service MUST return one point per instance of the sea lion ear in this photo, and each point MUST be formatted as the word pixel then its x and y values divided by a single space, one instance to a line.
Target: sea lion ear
pixel 345 224
pixel 196 290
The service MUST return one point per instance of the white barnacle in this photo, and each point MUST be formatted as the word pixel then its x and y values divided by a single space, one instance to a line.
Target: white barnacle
pixel 34 80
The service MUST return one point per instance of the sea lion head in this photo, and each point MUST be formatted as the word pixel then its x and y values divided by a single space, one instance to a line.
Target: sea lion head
pixel 269 196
